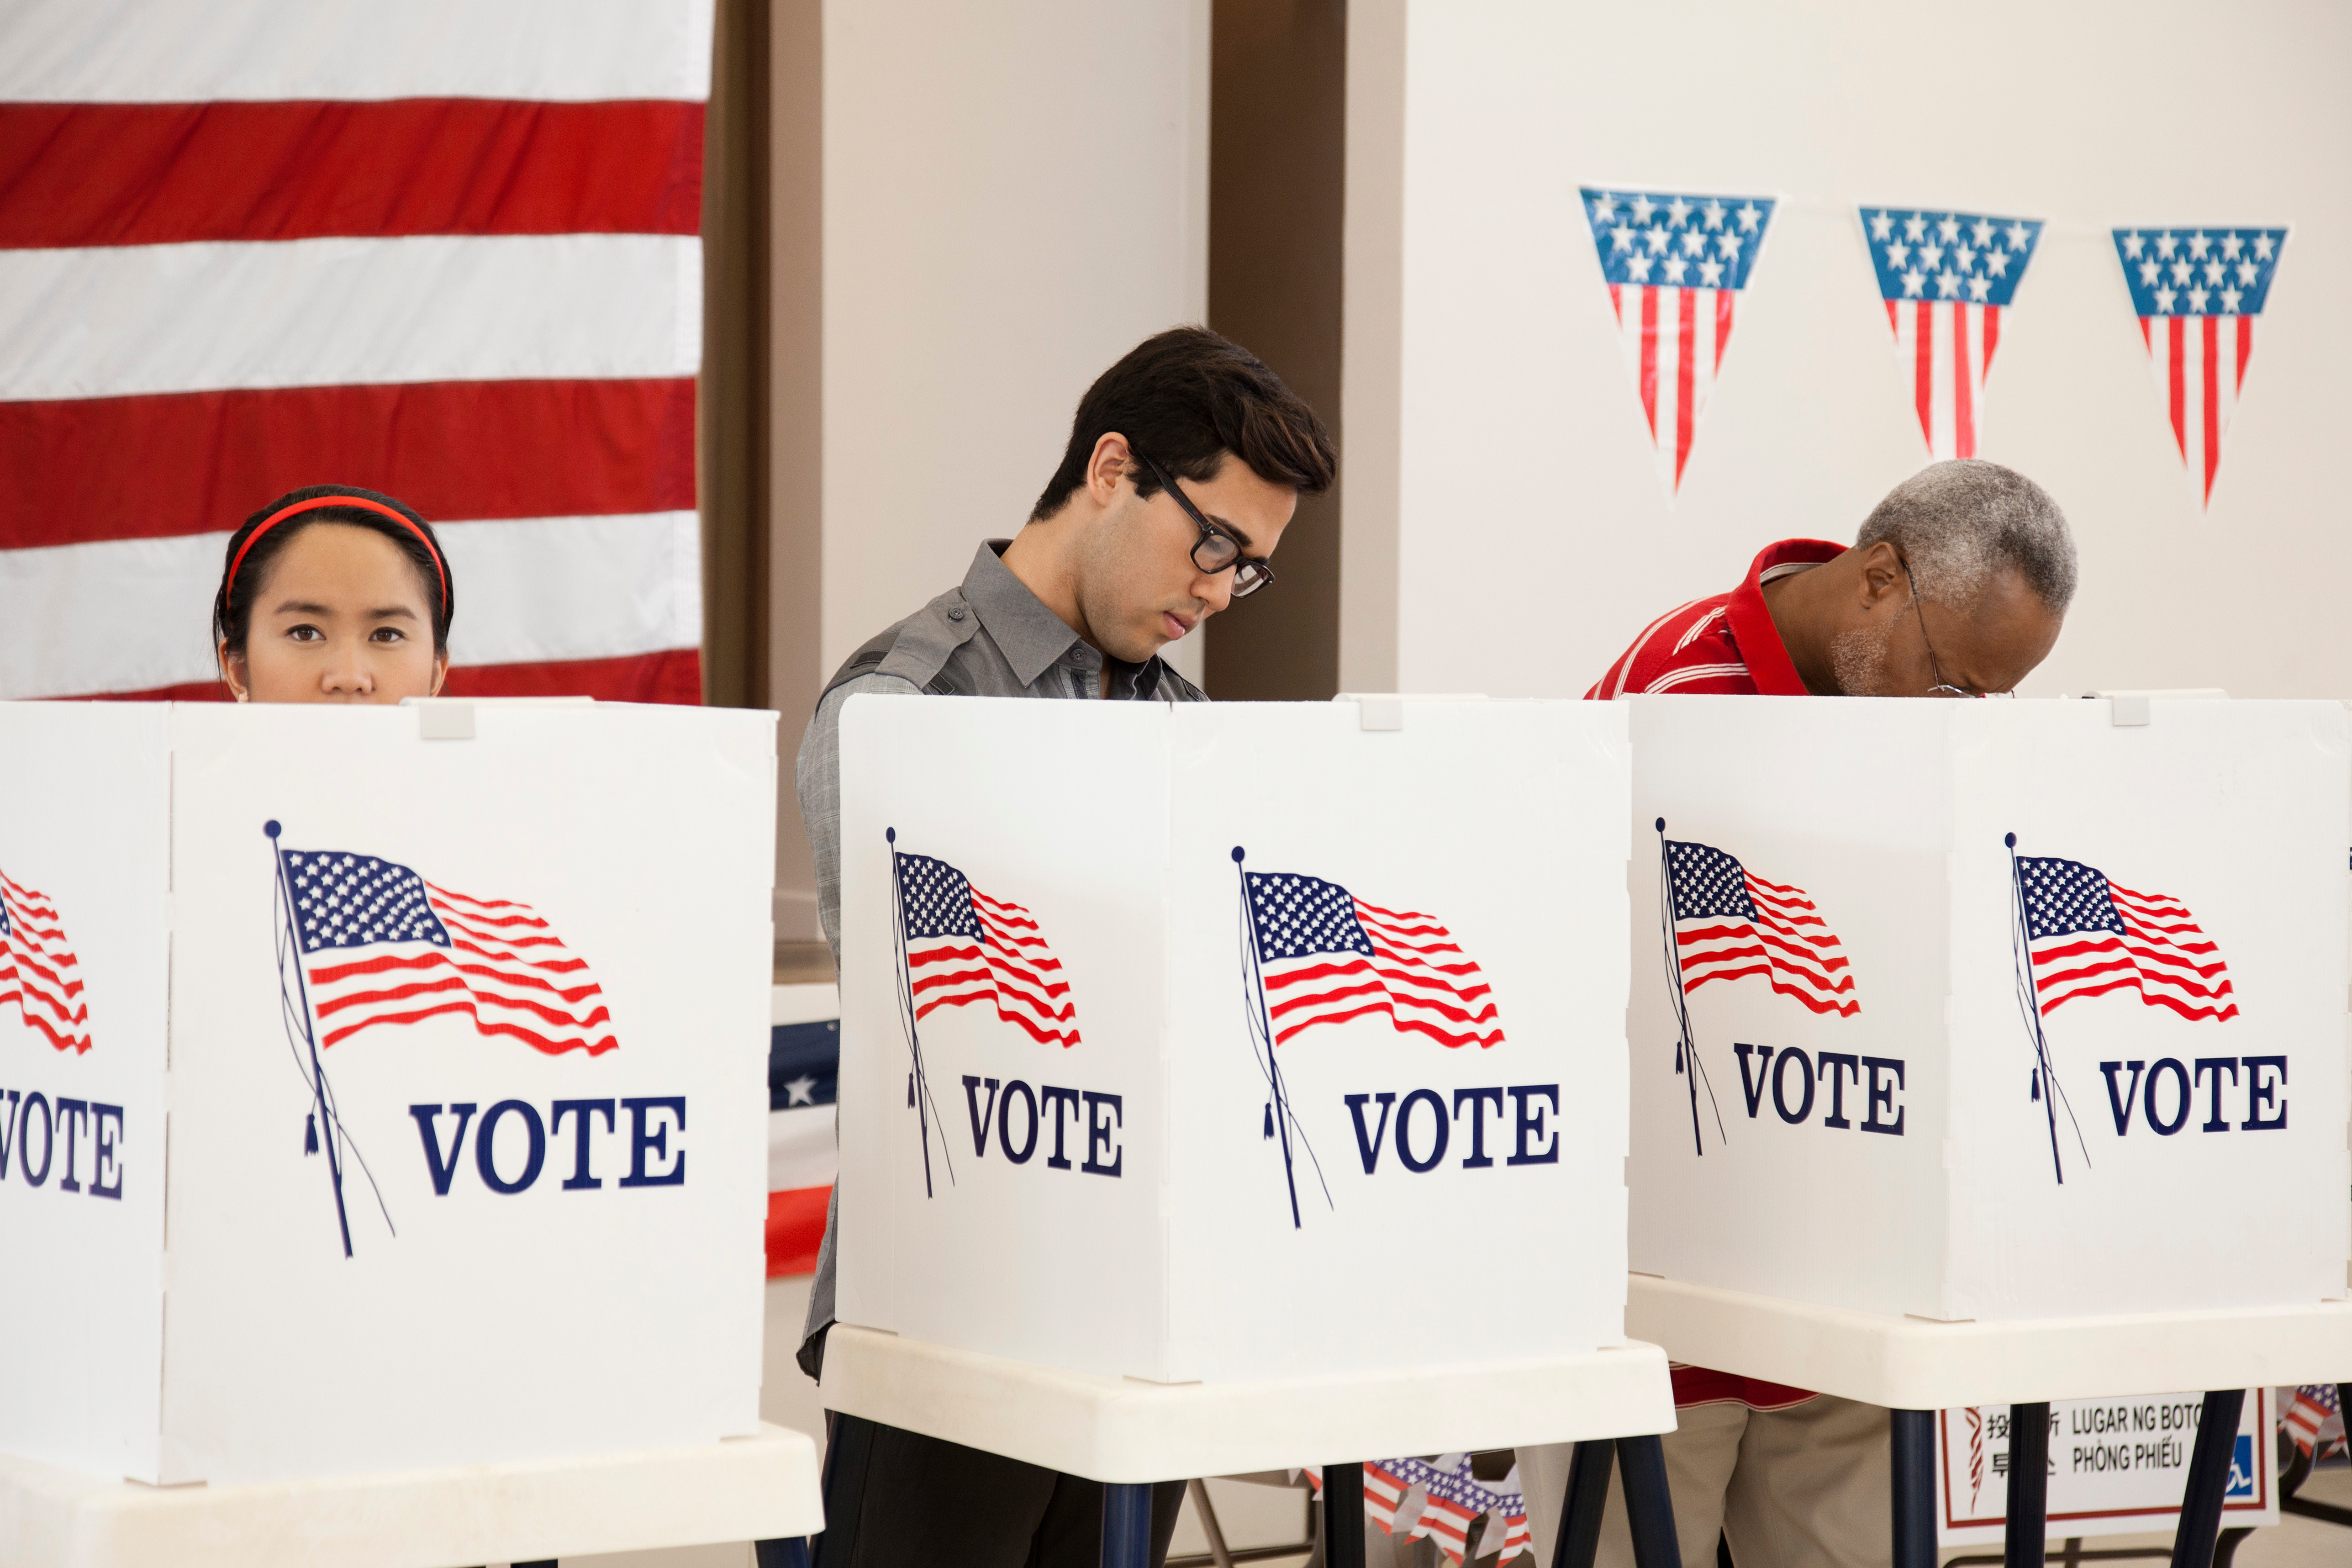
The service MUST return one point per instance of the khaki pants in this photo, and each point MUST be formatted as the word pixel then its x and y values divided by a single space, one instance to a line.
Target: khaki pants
pixel 1807 1487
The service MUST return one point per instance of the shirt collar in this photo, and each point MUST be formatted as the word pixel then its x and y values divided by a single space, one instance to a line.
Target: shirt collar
pixel 1760 648
pixel 1031 637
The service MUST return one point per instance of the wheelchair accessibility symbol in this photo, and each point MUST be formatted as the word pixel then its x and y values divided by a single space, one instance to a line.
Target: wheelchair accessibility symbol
pixel 2242 1470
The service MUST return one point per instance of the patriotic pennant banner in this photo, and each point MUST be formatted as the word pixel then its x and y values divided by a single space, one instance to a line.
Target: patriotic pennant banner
pixel 2197 292
pixel 1947 276
pixel 1440 1498
pixel 454 255
pixel 1675 266
pixel 38 971
pixel 2313 1419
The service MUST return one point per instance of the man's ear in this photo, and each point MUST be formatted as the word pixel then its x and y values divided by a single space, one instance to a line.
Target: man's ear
pixel 1883 574
pixel 1112 462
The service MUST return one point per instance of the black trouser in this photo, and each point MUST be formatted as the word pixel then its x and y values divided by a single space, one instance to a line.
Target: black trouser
pixel 900 1500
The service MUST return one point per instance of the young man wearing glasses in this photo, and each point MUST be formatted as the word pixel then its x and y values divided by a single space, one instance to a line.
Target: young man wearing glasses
pixel 1956 587
pixel 1185 462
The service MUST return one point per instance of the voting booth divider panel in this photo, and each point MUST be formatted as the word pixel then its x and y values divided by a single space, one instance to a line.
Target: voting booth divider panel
pixel 273 1246
pixel 1864 899
pixel 1424 1166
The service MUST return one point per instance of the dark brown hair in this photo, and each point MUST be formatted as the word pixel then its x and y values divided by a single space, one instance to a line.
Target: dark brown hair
pixel 241 580
pixel 1186 397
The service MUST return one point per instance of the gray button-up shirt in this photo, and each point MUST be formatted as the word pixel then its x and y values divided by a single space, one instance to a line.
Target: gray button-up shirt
pixel 990 638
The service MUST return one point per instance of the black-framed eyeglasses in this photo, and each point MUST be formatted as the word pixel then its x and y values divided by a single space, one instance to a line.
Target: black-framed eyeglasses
pixel 1215 551
pixel 1942 688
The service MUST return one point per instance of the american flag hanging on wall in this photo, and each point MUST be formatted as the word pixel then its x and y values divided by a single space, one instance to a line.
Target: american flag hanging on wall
pixel 2197 292
pixel 1946 278
pixel 449 253
pixel 1675 266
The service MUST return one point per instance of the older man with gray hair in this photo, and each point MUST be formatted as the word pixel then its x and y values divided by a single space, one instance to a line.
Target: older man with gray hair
pixel 1957 586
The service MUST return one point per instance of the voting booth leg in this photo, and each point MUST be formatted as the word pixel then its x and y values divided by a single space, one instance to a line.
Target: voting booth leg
pixel 1126 1525
pixel 1649 1504
pixel 1587 1501
pixel 2208 1477
pixel 2029 1486
pixel 848 1449
pixel 1343 1515
pixel 789 1552
pixel 1912 1435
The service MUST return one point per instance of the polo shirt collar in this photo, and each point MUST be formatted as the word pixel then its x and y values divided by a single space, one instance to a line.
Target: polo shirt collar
pixel 1031 637
pixel 1767 656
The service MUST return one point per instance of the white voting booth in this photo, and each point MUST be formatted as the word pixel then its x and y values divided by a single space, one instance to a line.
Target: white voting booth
pixel 394 1102
pixel 1999 1011
pixel 1069 932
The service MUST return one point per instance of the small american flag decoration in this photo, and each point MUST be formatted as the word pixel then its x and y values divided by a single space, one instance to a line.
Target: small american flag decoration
pixel 2197 292
pixel 1313 953
pixel 1719 921
pixel 38 970
pixel 1675 266
pixel 2074 933
pixel 1946 278
pixel 957 947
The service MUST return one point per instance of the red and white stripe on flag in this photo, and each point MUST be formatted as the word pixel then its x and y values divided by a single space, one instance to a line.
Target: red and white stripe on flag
pixel 1949 346
pixel 2201 367
pixel 447 252
pixel 38 970
pixel 1673 340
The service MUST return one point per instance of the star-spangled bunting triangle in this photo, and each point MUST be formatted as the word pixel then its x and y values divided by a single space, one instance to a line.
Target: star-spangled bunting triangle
pixel 1676 264
pixel 2197 292
pixel 1946 278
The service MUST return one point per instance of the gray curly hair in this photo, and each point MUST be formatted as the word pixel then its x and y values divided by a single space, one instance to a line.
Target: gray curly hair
pixel 1958 522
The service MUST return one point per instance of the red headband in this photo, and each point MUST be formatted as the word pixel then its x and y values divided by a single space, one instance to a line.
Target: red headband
pixel 282 513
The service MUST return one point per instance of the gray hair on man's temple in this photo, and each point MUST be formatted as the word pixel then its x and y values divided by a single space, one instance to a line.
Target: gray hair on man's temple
pixel 1958 522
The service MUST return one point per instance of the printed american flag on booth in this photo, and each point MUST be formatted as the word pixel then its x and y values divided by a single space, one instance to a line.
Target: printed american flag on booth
pixel 965 947
pixel 38 971
pixel 448 252
pixel 380 945
pixel 2087 935
pixel 1947 276
pixel 2197 292
pixel 1675 266
pixel 1729 923
pixel 1326 956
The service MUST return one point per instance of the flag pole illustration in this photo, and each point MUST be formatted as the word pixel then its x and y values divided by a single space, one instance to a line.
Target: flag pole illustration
pixel 1686 1047
pixel 2021 928
pixel 958 947
pixel 1314 952
pixel 371 943
pixel 1726 922
pixel 39 971
pixel 1675 266
pixel 1946 278
pixel 2079 934
pixel 2197 292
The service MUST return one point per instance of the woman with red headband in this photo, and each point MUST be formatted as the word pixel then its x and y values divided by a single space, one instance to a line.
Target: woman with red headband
pixel 333 594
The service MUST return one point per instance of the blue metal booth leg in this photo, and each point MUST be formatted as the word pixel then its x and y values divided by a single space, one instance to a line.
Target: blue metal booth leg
pixel 1587 1500
pixel 2208 1476
pixel 1126 1525
pixel 1912 1440
pixel 1649 1505
pixel 791 1552
pixel 2029 1486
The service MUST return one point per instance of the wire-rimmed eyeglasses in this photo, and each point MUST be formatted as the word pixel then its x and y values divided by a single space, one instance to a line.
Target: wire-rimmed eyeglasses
pixel 1942 688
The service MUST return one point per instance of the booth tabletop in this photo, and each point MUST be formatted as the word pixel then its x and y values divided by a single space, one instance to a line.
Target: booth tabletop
pixel 1129 1430
pixel 748 1488
pixel 1920 1364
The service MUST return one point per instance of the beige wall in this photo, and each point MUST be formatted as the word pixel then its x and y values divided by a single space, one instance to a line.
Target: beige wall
pixel 1498 479
pixel 1008 198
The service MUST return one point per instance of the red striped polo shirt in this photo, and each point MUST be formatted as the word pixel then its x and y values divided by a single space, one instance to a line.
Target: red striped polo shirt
pixel 1726 644
pixel 1722 646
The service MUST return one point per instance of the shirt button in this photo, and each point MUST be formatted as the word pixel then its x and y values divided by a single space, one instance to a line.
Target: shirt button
pixel 955 613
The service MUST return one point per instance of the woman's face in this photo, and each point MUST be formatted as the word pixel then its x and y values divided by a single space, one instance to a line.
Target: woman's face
pixel 340 616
